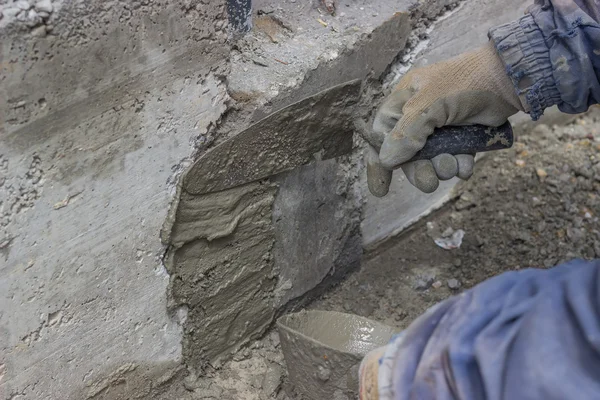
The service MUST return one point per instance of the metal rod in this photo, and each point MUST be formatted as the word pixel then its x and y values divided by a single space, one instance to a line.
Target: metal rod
pixel 240 15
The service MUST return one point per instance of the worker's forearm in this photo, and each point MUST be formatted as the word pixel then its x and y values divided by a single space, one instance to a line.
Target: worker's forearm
pixel 552 55
pixel 532 334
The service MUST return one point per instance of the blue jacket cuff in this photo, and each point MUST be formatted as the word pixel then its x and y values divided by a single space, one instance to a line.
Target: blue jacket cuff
pixel 522 48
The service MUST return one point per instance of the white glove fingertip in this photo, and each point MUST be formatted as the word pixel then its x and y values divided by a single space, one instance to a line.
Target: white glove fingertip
pixel 378 178
pixel 422 175
pixel 446 166
pixel 466 162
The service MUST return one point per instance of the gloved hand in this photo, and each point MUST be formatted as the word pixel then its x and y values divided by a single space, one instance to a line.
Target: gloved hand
pixel 472 88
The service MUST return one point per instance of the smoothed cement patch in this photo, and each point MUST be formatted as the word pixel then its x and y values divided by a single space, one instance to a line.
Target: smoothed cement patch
pixel 221 268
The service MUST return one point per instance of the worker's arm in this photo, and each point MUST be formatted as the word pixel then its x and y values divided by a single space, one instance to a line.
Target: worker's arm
pixel 550 56
pixel 527 335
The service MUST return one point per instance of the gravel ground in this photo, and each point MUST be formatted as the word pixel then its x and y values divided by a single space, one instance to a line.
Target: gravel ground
pixel 535 205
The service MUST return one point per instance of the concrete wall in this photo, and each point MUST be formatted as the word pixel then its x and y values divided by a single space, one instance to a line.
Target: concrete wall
pixel 107 109
pixel 101 103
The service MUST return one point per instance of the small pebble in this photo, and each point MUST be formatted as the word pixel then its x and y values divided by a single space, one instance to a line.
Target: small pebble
pixel 453 284
pixel 190 382
pixel 541 173
pixel 33 19
pixel 272 380
pixel 23 5
pixel 10 12
pixel 423 282
pixel 401 315
pixel 323 373
pixel 436 284
pixel 44 6
pixel 39 31
pixel 448 232
pixel 274 337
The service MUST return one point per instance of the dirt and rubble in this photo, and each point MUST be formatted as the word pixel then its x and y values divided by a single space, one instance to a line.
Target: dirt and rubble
pixel 535 205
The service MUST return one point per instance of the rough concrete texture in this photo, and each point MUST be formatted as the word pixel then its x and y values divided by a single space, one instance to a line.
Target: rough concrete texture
pixel 101 103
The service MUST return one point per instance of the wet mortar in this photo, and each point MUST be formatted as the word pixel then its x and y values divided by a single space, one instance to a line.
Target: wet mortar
pixel 535 205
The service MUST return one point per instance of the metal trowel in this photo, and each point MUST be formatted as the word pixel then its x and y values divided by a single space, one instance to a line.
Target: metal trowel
pixel 318 128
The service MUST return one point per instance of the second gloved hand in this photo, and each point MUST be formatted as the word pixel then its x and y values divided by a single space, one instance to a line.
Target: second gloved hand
pixel 472 88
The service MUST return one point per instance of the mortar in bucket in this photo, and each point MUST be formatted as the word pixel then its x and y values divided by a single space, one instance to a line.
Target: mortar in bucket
pixel 323 351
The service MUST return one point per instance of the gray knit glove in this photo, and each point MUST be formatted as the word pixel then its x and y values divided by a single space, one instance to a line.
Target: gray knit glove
pixel 472 88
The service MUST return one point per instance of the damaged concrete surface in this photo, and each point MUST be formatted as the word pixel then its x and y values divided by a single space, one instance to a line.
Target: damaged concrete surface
pixel 297 50
pixel 101 103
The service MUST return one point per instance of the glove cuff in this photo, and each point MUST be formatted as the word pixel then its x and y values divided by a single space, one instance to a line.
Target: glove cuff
pixel 522 49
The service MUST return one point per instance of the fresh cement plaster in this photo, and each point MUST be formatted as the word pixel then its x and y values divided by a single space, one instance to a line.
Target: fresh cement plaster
pixel 220 255
pixel 222 269
pixel 96 115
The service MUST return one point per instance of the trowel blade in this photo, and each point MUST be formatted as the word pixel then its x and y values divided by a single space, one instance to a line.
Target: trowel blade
pixel 318 127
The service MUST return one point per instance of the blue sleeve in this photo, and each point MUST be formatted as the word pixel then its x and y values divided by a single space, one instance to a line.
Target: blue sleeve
pixel 552 55
pixel 527 335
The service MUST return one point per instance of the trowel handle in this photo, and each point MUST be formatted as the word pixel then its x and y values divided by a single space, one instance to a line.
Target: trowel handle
pixel 453 140
pixel 469 139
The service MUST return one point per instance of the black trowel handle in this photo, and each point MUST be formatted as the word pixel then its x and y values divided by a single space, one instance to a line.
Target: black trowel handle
pixel 453 140
pixel 468 139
